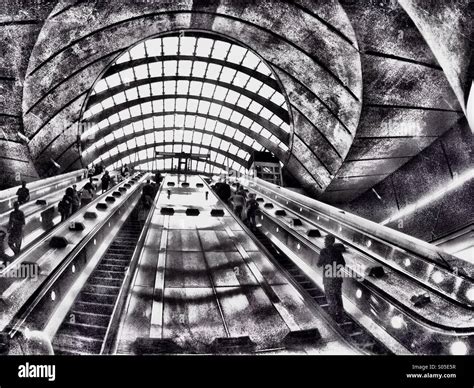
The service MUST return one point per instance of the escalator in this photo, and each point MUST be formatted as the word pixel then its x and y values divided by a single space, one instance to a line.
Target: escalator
pixel 347 327
pixel 84 329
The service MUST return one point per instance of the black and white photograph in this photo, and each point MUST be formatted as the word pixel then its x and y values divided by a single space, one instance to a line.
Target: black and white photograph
pixel 264 182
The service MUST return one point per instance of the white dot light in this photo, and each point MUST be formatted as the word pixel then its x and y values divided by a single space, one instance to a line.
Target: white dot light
pixel 359 293
pixel 470 294
pixel 397 322
pixel 458 348
pixel 438 277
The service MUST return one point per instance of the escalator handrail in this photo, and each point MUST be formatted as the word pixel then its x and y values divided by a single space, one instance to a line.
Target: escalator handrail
pixel 411 244
pixel 367 283
pixel 40 184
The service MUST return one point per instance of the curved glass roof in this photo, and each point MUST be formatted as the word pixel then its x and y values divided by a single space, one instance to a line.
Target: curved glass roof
pixel 196 94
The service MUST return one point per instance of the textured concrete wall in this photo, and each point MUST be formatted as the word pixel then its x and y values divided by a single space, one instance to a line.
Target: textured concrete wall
pixel 447 28
pixel 407 99
pixel 20 23
pixel 431 170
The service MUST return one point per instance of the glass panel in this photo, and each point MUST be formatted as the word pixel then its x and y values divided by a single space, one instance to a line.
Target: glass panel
pixel 236 54
pixel 184 68
pixel 170 45
pixel 208 90
pixel 187 44
pixel 253 85
pixel 170 67
pixel 220 50
pixel 141 71
pixel 199 69
pixel 124 58
pixel 227 75
pixel 213 71
pixel 194 91
pixel 204 47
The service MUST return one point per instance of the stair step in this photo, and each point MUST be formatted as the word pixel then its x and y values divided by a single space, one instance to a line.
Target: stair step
pixel 72 343
pixel 123 251
pixel 89 318
pixel 109 274
pixel 84 330
pixel 119 262
pixel 96 280
pixel 101 289
pixel 91 307
pixel 113 268
pixel 97 298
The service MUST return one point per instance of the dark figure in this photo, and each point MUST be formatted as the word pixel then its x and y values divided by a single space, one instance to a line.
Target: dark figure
pixel 105 181
pixel 148 193
pixel 223 191
pixel 65 205
pixel 3 235
pixel 158 178
pixel 15 228
pixel 238 202
pixel 146 201
pixel 90 172
pixel 98 169
pixel 76 200
pixel 23 194
pixel 125 171
pixel 330 258
pixel 252 209
pixel 87 194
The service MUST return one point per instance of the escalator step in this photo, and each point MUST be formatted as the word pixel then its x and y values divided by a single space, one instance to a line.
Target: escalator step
pixel 89 318
pixel 109 274
pixel 97 298
pixel 118 262
pixel 101 289
pixel 105 281
pixel 91 308
pixel 109 267
pixel 85 330
pixel 314 293
pixel 76 343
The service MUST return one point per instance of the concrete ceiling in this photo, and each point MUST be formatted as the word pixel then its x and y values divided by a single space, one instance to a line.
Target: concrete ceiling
pixel 369 84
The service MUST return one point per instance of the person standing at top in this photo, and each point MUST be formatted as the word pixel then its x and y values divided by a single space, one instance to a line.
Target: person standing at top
pixel 238 202
pixel 252 209
pixel 224 191
pixel 333 263
pixel 90 172
pixel 87 194
pixel 76 199
pixel 65 205
pixel 23 194
pixel 15 228
pixel 105 181
pixel 158 178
